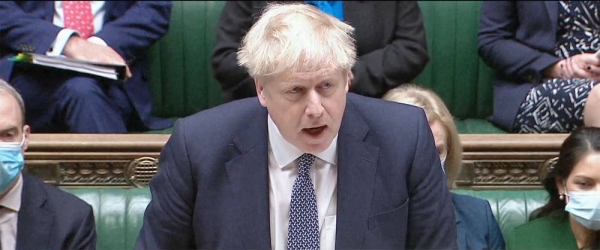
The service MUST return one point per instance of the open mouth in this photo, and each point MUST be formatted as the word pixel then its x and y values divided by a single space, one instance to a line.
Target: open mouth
pixel 315 130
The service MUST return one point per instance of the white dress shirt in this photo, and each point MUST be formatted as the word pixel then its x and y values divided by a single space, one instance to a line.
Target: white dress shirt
pixel 10 203
pixel 283 169
pixel 63 36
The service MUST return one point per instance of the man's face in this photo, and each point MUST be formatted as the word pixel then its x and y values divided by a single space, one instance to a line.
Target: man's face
pixel 307 108
pixel 11 121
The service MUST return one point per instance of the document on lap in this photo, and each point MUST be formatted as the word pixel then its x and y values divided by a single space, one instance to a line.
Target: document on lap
pixel 110 71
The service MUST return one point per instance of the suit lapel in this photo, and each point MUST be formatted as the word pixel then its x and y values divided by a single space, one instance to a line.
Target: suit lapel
pixel 357 161
pixel 34 222
pixel 552 10
pixel 248 177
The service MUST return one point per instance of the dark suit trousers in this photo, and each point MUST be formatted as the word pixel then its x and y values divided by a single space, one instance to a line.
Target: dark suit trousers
pixel 63 101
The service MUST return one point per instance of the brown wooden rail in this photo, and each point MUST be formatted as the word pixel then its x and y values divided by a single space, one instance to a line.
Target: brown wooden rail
pixel 491 161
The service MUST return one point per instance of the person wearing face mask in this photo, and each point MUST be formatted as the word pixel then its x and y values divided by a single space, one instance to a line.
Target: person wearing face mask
pixel 571 218
pixel 34 215
pixel 476 225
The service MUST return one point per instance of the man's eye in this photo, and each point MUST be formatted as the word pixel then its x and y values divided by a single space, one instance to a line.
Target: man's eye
pixel 7 136
pixel 295 90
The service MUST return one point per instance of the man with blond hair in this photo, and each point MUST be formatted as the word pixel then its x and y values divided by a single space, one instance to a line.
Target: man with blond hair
pixel 305 164
pixel 34 215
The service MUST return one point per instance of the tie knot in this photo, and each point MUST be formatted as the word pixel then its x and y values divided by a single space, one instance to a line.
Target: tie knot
pixel 304 163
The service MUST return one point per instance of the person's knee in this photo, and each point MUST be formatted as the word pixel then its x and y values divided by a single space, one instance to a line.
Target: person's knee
pixel 594 95
pixel 590 115
pixel 81 88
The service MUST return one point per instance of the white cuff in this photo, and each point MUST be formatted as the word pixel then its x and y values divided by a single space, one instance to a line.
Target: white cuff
pixel 61 40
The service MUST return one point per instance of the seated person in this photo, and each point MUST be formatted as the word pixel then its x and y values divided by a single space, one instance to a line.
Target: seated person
pixel 118 32
pixel 476 225
pixel 389 36
pixel 543 52
pixel 34 215
pixel 571 218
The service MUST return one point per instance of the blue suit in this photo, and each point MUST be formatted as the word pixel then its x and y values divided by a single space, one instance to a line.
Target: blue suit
pixel 212 187
pixel 517 39
pixel 476 226
pixel 57 100
pixel 50 218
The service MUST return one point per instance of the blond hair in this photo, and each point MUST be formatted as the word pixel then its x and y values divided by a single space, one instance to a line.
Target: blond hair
pixel 296 38
pixel 435 110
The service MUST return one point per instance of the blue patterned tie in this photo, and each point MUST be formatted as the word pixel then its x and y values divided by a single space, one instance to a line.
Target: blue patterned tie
pixel 303 231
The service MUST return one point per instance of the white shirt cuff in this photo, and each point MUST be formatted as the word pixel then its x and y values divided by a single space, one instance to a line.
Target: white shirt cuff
pixel 61 40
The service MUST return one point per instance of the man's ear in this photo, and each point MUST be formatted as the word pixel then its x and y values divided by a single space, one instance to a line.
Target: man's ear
pixel 260 91
pixel 26 134
pixel 350 79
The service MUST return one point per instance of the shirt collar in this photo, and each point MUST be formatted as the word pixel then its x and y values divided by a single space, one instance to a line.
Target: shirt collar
pixel 285 153
pixel 12 199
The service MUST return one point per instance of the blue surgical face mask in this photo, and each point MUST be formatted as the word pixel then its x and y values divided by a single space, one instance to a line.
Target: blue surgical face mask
pixel 584 206
pixel 11 163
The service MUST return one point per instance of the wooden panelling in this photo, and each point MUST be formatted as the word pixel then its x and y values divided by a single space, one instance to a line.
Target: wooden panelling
pixel 490 161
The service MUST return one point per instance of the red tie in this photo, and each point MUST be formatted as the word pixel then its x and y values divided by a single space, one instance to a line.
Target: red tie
pixel 78 16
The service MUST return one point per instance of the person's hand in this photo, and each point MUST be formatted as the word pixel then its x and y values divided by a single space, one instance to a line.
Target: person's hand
pixel 81 49
pixel 585 65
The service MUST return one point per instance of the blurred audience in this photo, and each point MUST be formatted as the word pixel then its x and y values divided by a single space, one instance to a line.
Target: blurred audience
pixel 476 225
pixel 118 32
pixel 389 35
pixel 543 52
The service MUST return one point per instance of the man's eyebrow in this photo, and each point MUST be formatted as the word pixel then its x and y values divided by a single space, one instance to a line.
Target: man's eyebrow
pixel 9 129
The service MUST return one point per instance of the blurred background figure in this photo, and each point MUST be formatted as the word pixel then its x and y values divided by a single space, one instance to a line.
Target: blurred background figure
pixel 476 225
pixel 543 53
pixel 389 36
pixel 116 32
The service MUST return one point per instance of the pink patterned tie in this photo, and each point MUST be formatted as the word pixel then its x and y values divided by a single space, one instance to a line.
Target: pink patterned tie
pixel 78 16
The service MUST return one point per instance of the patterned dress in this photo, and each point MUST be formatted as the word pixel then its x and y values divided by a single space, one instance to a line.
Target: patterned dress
pixel 556 105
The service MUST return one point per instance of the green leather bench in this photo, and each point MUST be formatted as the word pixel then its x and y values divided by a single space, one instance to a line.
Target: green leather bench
pixel 182 78
pixel 119 212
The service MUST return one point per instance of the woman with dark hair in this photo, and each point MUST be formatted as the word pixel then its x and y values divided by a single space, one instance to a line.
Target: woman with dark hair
pixel 571 218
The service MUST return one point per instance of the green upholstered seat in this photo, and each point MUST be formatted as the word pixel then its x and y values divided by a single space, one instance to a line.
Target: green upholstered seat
pixel 511 208
pixel 119 212
pixel 455 71
pixel 183 83
pixel 477 126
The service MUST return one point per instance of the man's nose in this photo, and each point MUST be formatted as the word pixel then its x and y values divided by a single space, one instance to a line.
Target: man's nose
pixel 314 106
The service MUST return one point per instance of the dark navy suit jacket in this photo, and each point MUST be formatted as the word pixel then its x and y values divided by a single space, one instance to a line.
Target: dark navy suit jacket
pixel 130 28
pixel 212 187
pixel 476 225
pixel 51 218
pixel 517 39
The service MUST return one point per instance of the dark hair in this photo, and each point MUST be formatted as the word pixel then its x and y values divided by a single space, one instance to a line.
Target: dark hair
pixel 580 143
